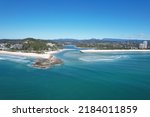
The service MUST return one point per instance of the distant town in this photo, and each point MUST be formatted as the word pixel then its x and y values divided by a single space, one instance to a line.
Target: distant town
pixel 28 45
pixel 106 43
pixel 40 45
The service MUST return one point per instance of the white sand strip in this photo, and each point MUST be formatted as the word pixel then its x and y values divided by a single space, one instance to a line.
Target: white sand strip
pixel 94 51
pixel 35 55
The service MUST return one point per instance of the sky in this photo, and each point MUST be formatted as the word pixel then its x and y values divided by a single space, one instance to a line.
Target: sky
pixel 78 19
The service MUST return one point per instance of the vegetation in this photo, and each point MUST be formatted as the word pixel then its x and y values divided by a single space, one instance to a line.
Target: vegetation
pixel 104 43
pixel 30 45
pixel 108 45
pixel 39 46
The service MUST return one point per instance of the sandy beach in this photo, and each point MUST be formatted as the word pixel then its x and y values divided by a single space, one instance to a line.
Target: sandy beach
pixel 54 52
pixel 35 55
pixel 94 51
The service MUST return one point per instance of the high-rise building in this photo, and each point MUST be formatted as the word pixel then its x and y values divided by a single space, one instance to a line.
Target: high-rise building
pixel 143 45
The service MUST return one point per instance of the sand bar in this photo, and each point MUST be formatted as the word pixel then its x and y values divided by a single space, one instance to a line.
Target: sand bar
pixel 94 51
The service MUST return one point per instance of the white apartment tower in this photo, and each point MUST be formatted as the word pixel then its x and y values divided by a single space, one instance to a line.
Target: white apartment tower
pixel 145 44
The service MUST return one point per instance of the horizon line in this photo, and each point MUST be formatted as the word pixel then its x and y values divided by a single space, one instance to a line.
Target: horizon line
pixel 73 38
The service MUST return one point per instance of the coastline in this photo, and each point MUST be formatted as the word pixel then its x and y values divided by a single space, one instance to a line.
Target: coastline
pixel 54 52
pixel 96 51
pixel 43 61
pixel 34 55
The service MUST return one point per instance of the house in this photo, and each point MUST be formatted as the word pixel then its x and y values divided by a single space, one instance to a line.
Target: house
pixel 16 46
pixel 3 46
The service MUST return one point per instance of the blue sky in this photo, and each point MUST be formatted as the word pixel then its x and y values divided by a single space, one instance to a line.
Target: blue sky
pixel 82 19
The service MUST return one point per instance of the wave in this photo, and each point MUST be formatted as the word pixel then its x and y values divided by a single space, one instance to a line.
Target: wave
pixel 101 58
pixel 17 59
pixel 2 59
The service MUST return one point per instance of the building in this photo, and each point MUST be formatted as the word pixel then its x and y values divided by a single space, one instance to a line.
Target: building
pixel 143 45
pixel 16 46
pixel 3 46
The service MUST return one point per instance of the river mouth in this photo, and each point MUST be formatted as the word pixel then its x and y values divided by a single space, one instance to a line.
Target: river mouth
pixel 86 76
pixel 72 54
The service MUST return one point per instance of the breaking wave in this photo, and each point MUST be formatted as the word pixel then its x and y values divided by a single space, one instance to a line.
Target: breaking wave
pixel 17 59
pixel 2 59
pixel 101 58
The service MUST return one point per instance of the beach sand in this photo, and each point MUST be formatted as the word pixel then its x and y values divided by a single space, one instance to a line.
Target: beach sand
pixel 54 52
pixel 34 55
pixel 94 51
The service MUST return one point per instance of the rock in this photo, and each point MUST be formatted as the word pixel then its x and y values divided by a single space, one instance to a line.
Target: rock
pixel 56 61
pixel 46 63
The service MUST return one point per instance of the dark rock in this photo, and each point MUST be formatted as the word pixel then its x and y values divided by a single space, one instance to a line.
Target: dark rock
pixel 46 63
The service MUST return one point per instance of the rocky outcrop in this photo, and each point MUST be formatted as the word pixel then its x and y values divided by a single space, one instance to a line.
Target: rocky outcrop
pixel 46 63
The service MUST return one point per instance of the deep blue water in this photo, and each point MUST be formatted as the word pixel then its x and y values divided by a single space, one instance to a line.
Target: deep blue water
pixel 82 76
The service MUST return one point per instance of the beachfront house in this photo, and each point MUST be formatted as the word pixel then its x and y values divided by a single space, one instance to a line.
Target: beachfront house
pixel 3 46
pixel 16 46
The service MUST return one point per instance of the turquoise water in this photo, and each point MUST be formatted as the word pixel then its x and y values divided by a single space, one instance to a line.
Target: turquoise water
pixel 82 76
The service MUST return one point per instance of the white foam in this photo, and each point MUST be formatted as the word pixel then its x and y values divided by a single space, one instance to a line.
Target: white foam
pixel 101 58
pixel 2 59
pixel 14 59
pixel 95 60
pixel 19 60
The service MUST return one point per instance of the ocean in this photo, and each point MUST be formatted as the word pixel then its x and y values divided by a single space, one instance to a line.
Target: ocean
pixel 83 76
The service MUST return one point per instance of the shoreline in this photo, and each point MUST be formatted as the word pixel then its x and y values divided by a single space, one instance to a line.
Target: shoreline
pixel 46 55
pixel 96 51
pixel 54 52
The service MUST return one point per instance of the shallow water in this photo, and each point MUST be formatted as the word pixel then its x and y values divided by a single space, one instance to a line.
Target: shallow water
pixel 82 76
